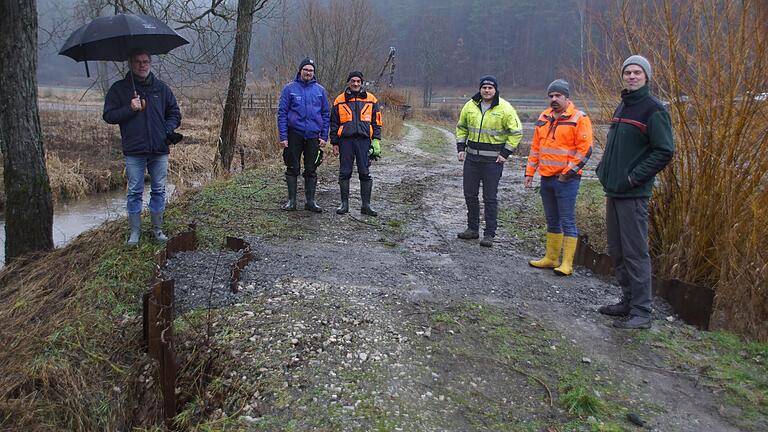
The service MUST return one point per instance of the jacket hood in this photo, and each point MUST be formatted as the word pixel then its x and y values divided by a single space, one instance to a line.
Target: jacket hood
pixel 301 81
pixel 477 98
pixel 349 94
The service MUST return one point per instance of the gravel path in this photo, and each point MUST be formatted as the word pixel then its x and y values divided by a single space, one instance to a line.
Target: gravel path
pixel 337 317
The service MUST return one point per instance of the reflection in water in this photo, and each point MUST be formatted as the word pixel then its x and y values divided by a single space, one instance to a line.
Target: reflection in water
pixel 72 218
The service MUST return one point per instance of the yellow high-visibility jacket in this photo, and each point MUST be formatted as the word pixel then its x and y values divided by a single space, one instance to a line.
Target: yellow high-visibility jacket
pixel 498 131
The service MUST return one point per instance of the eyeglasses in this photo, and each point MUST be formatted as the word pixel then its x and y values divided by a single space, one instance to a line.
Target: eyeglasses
pixel 142 62
pixel 307 70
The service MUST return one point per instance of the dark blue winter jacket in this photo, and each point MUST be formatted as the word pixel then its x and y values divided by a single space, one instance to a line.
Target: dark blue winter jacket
pixel 304 108
pixel 143 132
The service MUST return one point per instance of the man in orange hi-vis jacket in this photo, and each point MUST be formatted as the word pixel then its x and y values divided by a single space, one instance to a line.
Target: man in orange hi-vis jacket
pixel 562 144
pixel 356 136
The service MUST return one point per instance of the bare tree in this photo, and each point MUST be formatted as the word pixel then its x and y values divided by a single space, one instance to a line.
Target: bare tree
pixel 341 35
pixel 29 210
pixel 233 107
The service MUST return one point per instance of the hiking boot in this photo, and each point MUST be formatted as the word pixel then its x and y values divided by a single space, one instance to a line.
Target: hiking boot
pixel 468 234
pixel 633 323
pixel 310 186
pixel 290 205
pixel 344 188
pixel 487 241
pixel 620 309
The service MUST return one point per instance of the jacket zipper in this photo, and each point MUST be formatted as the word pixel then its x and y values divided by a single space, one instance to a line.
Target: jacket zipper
pixel 482 117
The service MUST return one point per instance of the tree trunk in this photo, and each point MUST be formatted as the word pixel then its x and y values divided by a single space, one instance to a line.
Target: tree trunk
pixel 233 106
pixel 28 208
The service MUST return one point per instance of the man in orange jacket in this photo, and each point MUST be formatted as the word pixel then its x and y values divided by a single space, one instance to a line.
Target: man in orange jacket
pixel 562 144
pixel 356 137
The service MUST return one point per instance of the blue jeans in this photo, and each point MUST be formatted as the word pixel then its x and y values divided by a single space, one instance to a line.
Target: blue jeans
pixel 479 170
pixel 351 150
pixel 559 201
pixel 157 166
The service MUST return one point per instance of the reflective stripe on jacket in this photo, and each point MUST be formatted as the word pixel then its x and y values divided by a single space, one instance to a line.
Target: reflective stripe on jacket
pixel 561 145
pixel 355 115
pixel 497 131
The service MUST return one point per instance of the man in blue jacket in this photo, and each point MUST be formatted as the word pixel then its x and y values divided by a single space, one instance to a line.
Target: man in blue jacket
pixel 303 119
pixel 147 112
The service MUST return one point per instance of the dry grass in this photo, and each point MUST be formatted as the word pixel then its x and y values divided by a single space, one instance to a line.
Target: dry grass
pixel 708 222
pixel 55 373
pixel 67 179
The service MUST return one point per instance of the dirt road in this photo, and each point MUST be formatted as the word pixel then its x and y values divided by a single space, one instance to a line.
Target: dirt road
pixel 392 323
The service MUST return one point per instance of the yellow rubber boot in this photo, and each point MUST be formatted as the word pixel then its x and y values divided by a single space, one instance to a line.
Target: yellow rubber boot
pixel 569 250
pixel 552 258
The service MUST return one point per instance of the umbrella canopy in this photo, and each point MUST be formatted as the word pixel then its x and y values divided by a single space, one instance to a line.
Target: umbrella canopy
pixel 116 37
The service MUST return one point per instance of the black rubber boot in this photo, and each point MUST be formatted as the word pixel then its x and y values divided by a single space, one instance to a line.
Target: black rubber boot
pixel 310 185
pixel 344 188
pixel 365 194
pixel 291 182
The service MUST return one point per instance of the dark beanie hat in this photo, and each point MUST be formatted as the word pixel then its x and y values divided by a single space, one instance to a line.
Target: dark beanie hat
pixel 489 80
pixel 307 61
pixel 560 86
pixel 355 74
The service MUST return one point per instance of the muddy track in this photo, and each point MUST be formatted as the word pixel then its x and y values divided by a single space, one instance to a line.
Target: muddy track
pixel 378 280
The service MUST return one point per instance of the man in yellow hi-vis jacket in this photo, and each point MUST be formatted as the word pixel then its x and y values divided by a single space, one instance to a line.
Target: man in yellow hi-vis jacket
pixel 486 134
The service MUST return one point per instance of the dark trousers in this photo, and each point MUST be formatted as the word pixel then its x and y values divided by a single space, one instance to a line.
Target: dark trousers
pixel 351 150
pixel 627 229
pixel 298 145
pixel 479 170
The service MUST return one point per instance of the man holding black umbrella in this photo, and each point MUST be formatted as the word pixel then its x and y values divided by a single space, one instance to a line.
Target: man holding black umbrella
pixel 148 115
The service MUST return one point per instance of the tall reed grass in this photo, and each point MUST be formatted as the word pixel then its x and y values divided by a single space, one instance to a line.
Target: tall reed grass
pixel 708 220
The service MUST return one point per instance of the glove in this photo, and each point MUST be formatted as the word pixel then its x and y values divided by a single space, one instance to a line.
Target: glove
pixel 375 150
pixel 174 138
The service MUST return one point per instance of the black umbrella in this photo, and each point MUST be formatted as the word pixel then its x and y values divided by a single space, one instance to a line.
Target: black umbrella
pixel 117 37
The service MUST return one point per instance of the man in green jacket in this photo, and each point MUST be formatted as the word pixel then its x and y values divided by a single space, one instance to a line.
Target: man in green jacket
pixel 639 146
pixel 487 132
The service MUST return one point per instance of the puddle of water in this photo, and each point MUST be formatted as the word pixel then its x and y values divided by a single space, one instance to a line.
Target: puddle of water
pixel 72 218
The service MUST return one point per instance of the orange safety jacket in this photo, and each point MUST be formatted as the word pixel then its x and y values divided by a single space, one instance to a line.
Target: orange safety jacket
pixel 355 116
pixel 561 145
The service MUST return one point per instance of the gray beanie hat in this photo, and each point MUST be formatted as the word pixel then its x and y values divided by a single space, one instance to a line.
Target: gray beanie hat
pixel 561 86
pixel 640 61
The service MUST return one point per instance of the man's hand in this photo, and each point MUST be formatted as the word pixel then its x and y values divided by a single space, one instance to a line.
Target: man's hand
pixel 323 142
pixel 461 156
pixel 528 181
pixel 335 150
pixel 562 178
pixel 136 102
pixel 500 159
pixel 284 143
